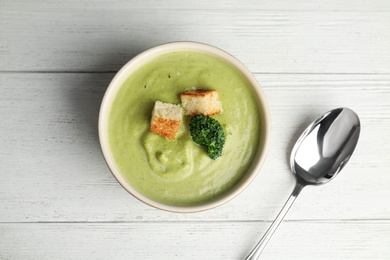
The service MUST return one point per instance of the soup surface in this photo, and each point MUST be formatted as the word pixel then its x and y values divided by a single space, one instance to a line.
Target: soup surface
pixel 180 172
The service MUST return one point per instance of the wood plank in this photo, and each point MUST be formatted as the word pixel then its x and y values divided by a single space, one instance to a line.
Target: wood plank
pixel 212 240
pixel 76 37
pixel 283 5
pixel 53 169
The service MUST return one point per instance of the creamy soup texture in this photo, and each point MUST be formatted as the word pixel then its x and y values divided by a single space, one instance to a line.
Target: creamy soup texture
pixel 178 171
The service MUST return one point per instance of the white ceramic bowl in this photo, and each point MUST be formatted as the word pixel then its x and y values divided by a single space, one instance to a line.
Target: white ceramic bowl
pixel 264 133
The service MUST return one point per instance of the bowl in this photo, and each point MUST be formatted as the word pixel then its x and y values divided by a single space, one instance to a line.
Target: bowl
pixel 257 93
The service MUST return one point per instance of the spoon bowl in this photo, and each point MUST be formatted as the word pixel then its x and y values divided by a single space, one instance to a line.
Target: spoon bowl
pixel 317 157
pixel 325 146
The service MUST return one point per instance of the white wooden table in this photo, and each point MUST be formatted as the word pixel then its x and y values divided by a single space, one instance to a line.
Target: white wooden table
pixel 58 199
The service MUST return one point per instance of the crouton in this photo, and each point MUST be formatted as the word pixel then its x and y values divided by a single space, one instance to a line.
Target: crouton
pixel 166 119
pixel 201 101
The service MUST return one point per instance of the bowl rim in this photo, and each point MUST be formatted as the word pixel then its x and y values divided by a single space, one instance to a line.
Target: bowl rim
pixel 123 74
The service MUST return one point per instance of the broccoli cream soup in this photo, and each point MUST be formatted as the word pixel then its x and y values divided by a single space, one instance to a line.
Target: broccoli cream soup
pixel 179 171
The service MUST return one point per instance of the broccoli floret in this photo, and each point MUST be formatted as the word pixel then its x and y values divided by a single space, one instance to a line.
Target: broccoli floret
pixel 207 132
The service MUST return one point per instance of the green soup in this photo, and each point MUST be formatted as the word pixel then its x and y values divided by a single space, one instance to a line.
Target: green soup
pixel 179 172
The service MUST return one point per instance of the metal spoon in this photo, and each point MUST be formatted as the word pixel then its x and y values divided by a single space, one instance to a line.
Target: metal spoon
pixel 319 154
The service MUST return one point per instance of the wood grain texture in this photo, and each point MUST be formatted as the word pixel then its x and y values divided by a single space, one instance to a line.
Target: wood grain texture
pixel 155 5
pixel 80 37
pixel 213 240
pixel 58 199
pixel 56 171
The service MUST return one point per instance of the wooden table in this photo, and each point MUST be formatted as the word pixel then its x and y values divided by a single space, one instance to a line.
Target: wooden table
pixel 58 199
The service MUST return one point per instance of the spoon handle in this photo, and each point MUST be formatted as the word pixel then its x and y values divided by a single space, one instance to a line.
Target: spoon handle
pixel 267 236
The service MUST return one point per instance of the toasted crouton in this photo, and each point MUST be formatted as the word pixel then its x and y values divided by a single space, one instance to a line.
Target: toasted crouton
pixel 166 119
pixel 201 101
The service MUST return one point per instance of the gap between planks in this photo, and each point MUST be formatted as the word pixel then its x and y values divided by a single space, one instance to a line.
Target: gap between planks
pixel 313 221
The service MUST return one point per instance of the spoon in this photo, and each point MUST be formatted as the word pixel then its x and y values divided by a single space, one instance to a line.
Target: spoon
pixel 319 154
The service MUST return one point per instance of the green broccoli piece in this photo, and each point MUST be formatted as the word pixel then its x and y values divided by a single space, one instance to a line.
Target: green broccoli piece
pixel 207 132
